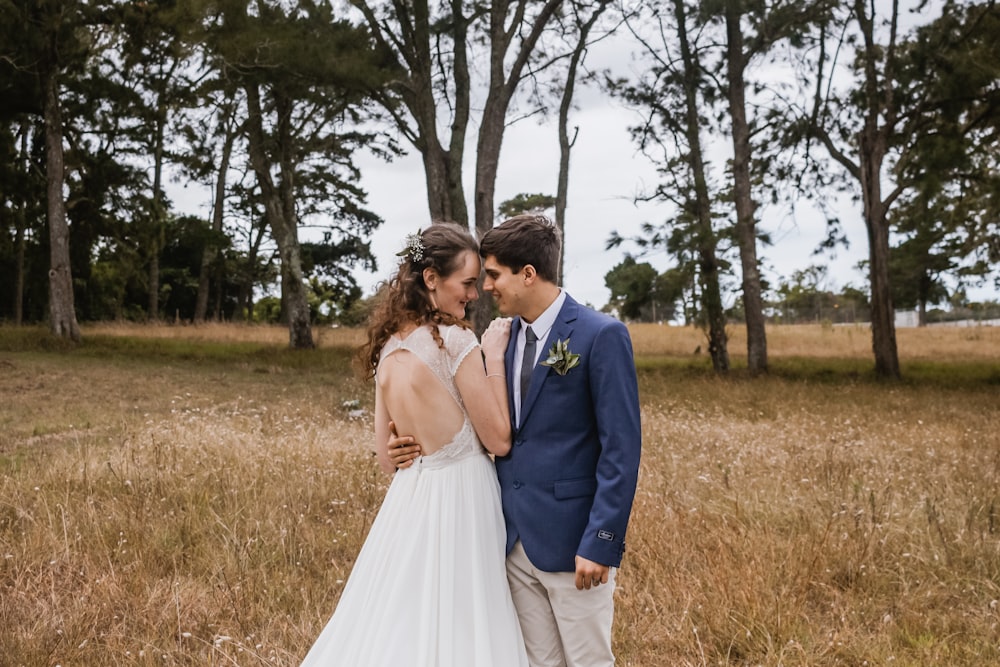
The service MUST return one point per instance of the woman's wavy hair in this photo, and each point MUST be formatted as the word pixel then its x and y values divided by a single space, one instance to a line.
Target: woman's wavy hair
pixel 405 300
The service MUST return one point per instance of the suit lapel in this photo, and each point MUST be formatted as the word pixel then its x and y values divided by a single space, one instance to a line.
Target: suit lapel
pixel 561 329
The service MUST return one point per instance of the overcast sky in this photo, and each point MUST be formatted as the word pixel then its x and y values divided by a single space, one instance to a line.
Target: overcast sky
pixel 606 173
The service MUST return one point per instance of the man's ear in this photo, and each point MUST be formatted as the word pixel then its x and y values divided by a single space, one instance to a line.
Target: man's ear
pixel 529 273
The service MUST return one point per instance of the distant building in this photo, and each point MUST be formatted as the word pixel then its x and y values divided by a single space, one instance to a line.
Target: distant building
pixel 907 319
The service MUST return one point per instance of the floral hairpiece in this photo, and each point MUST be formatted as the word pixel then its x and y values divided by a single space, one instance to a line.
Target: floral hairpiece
pixel 414 248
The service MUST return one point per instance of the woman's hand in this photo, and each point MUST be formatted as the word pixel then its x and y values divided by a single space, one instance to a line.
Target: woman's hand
pixel 494 344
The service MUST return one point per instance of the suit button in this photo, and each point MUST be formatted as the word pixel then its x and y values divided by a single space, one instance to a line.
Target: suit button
pixel 518 443
pixel 517 484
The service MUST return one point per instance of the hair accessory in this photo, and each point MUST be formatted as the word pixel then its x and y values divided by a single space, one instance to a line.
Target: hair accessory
pixel 414 248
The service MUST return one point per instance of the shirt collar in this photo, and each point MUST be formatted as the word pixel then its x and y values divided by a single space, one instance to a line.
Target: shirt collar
pixel 543 323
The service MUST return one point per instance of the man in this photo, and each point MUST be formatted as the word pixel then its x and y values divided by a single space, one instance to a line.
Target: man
pixel 568 483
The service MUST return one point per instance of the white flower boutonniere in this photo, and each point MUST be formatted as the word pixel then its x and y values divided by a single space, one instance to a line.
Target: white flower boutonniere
pixel 560 359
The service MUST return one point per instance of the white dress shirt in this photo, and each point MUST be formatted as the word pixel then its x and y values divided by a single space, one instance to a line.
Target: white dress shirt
pixel 541 326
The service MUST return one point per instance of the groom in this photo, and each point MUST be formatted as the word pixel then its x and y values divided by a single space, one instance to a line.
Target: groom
pixel 569 480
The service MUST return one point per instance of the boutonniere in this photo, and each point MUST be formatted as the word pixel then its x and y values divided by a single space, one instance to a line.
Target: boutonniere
pixel 560 359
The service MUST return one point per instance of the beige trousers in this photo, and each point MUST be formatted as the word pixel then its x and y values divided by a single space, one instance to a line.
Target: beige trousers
pixel 562 627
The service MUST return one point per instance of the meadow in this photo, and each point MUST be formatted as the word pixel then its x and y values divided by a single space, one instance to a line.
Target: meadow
pixel 196 496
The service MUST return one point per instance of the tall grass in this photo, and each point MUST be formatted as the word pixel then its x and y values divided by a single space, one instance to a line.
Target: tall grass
pixel 196 496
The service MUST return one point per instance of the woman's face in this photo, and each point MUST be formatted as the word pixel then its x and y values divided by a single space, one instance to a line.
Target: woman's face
pixel 453 293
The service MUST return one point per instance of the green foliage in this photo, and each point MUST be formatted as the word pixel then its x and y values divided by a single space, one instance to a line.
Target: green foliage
pixel 526 203
pixel 267 310
pixel 805 297
pixel 950 68
pixel 631 286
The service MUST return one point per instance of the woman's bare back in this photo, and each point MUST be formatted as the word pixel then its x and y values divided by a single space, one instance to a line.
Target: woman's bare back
pixel 417 381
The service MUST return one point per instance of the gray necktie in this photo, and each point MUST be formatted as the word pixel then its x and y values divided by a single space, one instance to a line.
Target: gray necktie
pixel 527 361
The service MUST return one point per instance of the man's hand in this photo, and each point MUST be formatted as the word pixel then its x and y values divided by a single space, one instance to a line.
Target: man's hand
pixel 402 449
pixel 589 573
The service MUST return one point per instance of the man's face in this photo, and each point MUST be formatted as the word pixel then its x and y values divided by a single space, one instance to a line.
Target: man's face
pixel 506 286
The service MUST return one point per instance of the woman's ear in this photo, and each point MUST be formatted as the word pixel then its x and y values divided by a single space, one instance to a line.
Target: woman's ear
pixel 430 278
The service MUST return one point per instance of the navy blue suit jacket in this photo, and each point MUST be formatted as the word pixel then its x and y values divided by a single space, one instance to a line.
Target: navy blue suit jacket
pixel 568 483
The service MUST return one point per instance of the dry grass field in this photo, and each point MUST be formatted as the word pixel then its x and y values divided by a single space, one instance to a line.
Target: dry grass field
pixel 196 496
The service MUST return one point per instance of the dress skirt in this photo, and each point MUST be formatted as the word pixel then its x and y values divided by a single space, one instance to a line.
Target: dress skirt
pixel 429 587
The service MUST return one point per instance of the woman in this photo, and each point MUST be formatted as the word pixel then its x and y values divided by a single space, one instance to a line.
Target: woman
pixel 429 588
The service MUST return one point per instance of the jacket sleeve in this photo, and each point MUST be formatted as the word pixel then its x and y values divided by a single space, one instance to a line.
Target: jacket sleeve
pixel 615 394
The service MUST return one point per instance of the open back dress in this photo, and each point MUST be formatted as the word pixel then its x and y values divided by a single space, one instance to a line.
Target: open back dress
pixel 429 587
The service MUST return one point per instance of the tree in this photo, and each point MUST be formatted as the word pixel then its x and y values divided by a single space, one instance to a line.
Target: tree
pixel 918 263
pixel 805 296
pixel 59 25
pixel 301 84
pixel 230 131
pixel 432 52
pixel 526 203
pixel 875 130
pixel 631 285
pixel 672 93
pixel 43 43
pixel 582 24
pixel 153 58
pixel 431 55
pixel 948 214
pixel 752 29
pixel 23 188
pixel 737 59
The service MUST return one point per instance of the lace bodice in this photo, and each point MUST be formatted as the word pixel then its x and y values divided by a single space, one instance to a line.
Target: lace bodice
pixel 443 363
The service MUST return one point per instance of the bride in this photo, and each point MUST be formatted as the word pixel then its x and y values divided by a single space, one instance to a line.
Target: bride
pixel 429 588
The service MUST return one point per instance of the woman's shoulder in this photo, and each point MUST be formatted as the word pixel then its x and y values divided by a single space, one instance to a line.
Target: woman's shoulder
pixel 456 334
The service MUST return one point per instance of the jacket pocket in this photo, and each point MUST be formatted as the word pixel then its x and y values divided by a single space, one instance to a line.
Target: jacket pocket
pixel 575 488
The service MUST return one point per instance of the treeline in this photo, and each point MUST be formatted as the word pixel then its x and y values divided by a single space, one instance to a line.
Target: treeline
pixel 267 104
pixel 640 294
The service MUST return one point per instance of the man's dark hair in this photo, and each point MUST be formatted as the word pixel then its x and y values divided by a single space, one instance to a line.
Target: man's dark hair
pixel 522 240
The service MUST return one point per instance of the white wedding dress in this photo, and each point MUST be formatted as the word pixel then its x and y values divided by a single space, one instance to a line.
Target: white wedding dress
pixel 429 588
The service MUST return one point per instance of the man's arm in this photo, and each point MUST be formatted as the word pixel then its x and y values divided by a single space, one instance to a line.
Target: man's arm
pixel 615 392
pixel 402 450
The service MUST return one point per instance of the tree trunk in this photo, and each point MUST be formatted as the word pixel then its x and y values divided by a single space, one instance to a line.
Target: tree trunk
pixel 244 298
pixel 415 43
pixel 493 123
pixel 746 234
pixel 279 204
pixel 19 246
pixel 20 243
pixel 565 143
pixel 562 186
pixel 158 240
pixel 873 144
pixel 487 163
pixel 883 314
pixel 153 305
pixel 211 251
pixel 62 310
pixel 294 304
pixel 445 192
pixel 701 205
